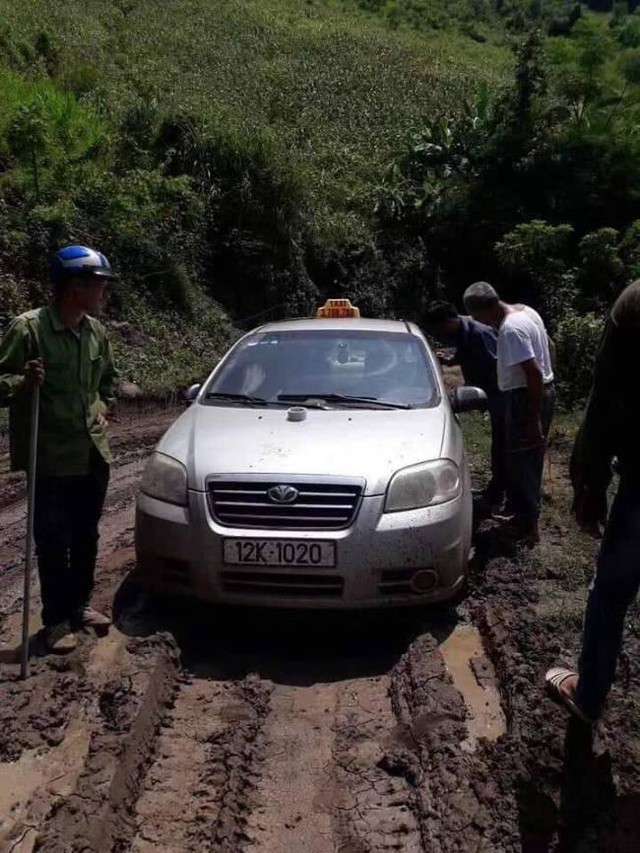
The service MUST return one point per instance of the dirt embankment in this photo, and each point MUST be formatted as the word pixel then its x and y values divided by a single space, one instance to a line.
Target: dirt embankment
pixel 189 728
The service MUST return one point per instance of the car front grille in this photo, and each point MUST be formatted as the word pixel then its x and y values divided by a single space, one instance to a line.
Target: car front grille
pixel 281 584
pixel 318 505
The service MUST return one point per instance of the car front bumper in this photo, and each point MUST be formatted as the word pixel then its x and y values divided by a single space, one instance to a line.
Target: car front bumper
pixel 180 550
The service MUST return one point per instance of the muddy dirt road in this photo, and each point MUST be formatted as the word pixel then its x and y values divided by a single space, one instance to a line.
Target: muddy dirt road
pixel 224 730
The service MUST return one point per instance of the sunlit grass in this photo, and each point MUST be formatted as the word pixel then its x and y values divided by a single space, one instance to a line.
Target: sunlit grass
pixel 335 89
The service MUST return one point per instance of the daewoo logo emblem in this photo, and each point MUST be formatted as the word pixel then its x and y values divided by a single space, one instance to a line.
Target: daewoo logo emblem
pixel 282 494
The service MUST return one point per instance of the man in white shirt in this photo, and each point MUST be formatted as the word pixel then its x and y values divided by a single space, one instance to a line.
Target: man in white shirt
pixel 525 376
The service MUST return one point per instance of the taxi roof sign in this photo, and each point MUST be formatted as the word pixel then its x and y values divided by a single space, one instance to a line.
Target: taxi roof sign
pixel 338 308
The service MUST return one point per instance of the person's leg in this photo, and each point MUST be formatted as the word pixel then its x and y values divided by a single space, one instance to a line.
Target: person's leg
pixel 526 465
pixel 497 487
pixel 518 458
pixel 52 534
pixel 548 409
pixel 613 589
pixel 88 503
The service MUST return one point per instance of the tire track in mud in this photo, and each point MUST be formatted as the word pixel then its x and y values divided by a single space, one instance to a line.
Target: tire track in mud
pixel 125 717
pixel 373 811
pixel 436 758
pixel 253 765
pixel 180 761
pixel 218 762
pixel 80 728
pixel 322 787
pixel 197 793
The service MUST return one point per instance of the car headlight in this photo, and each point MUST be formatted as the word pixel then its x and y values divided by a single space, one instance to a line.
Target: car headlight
pixel 165 478
pixel 427 484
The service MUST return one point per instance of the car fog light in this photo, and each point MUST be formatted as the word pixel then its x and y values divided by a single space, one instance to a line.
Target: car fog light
pixel 424 580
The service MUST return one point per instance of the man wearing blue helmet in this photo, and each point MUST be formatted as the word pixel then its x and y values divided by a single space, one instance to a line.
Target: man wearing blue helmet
pixel 63 349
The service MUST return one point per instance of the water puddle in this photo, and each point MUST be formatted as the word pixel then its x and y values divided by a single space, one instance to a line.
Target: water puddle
pixel 473 675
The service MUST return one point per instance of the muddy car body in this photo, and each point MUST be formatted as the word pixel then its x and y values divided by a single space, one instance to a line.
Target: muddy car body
pixel 320 465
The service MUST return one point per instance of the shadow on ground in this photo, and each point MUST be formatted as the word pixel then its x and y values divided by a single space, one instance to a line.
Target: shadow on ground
pixel 287 646
pixel 591 817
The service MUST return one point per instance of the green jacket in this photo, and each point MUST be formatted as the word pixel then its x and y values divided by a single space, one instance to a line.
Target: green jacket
pixel 79 383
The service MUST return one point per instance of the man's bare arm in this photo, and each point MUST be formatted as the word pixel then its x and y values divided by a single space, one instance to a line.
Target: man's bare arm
pixel 535 392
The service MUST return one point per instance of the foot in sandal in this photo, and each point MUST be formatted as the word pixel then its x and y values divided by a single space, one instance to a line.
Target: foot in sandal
pixel 561 685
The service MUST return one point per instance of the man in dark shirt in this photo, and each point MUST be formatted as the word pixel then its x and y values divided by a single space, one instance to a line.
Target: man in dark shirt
pixel 608 431
pixel 476 354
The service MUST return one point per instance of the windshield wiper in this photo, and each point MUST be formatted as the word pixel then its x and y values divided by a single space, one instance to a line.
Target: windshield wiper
pixel 250 399
pixel 235 398
pixel 345 398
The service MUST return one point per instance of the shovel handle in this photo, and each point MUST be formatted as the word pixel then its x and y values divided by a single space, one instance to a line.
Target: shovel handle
pixel 31 486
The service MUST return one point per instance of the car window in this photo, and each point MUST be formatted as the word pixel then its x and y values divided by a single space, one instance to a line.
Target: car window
pixel 390 366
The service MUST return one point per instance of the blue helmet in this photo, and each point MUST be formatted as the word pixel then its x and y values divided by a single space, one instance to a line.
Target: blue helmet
pixel 79 260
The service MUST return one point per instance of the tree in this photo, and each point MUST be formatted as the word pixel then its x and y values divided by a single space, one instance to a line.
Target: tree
pixel 28 139
pixel 535 254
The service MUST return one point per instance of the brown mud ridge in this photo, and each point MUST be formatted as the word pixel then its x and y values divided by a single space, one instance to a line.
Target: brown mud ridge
pixel 191 728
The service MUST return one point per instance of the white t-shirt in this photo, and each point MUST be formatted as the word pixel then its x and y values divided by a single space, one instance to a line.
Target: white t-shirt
pixel 521 337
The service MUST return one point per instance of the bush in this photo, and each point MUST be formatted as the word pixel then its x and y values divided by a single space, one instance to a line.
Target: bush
pixel 630 250
pixel 602 269
pixel 576 338
pixel 535 256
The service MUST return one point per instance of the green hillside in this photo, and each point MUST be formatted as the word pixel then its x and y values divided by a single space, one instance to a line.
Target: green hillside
pixel 206 146
pixel 330 90
pixel 243 159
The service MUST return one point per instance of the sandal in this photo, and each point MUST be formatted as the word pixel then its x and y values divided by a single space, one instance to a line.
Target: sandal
pixel 554 679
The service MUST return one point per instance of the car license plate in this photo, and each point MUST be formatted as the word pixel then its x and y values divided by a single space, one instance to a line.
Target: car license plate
pixel 279 552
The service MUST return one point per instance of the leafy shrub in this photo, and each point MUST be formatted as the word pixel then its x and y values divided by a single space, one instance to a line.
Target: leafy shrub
pixel 576 338
pixel 630 250
pixel 535 256
pixel 602 270
pixel 163 350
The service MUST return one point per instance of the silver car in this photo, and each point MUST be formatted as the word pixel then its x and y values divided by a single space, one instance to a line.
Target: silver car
pixel 319 465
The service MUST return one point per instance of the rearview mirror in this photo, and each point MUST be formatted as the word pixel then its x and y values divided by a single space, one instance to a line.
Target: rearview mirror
pixel 468 399
pixel 191 394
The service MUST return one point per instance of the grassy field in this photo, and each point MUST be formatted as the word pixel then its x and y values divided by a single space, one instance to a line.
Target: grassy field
pixel 331 89
pixel 295 107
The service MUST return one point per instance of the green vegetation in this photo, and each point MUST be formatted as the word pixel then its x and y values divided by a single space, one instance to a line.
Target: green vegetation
pixel 537 188
pixel 476 18
pixel 225 155
pixel 241 159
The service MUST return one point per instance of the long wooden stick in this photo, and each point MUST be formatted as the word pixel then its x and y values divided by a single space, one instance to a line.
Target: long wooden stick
pixel 31 483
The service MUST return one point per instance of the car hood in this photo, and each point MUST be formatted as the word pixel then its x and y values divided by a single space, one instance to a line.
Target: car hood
pixel 367 443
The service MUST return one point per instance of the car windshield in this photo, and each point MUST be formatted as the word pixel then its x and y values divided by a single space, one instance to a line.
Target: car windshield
pixel 382 369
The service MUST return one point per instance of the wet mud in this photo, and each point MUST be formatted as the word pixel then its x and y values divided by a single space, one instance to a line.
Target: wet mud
pixel 191 728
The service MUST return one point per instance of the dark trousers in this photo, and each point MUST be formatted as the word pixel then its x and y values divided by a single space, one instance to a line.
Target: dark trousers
pixel 614 588
pixel 525 464
pixel 497 487
pixel 66 517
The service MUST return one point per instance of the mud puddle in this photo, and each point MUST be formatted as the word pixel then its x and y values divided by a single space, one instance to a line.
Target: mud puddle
pixel 474 677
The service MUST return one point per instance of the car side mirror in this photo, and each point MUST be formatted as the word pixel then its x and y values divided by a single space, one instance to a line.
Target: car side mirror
pixel 468 399
pixel 191 394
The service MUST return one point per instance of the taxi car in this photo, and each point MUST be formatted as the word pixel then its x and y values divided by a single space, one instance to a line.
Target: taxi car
pixel 321 464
